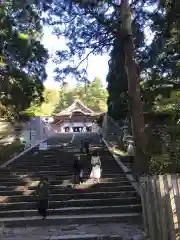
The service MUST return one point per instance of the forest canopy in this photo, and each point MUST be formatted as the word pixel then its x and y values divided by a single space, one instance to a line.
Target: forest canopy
pixel 94 27
pixel 22 57
pixel 93 95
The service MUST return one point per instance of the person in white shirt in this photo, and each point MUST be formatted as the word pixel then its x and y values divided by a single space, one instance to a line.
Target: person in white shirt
pixel 96 167
pixel 130 150
pixel 131 154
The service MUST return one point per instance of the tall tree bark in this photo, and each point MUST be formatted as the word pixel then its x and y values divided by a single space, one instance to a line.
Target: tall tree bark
pixel 141 157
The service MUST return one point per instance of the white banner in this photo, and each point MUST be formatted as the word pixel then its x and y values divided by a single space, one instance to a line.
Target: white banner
pixel 43 146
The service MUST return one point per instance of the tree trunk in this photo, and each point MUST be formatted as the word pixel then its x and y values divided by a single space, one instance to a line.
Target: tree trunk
pixel 141 157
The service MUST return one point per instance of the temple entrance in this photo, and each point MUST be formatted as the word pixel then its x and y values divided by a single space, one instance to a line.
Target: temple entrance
pixel 66 129
pixel 89 129
pixel 77 129
pixel 76 118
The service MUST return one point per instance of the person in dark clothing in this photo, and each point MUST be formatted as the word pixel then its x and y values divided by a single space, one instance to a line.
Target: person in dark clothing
pixel 82 146
pixel 42 192
pixel 86 145
pixel 77 170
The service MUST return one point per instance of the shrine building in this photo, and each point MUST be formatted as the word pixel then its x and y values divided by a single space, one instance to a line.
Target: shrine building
pixel 76 118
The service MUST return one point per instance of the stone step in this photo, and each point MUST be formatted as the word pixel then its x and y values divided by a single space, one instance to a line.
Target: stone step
pixel 51 174
pixel 17 192
pixel 61 167
pixel 59 164
pixel 20 181
pixel 63 171
pixel 60 159
pixel 72 203
pixel 86 237
pixel 72 219
pixel 62 184
pixel 58 174
pixel 64 197
pixel 135 208
pixel 59 156
pixel 33 160
pixel 38 162
pixel 58 153
pixel 49 171
pixel 23 180
pixel 115 200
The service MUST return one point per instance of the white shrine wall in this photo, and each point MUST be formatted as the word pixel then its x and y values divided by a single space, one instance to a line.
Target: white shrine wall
pixel 75 124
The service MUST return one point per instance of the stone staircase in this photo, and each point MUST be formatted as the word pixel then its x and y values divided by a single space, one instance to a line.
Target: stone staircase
pixel 112 200
pixel 113 134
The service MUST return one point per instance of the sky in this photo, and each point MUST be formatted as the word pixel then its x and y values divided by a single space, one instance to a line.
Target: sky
pixel 97 65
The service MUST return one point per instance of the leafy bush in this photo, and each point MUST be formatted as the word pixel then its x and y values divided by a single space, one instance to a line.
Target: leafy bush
pixel 158 165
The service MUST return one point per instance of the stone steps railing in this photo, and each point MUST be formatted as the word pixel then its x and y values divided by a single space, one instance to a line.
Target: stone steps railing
pixel 112 130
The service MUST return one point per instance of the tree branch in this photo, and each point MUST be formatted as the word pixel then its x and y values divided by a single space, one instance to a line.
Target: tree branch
pixel 87 56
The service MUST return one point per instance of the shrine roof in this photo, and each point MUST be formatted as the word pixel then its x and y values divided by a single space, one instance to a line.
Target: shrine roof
pixel 76 106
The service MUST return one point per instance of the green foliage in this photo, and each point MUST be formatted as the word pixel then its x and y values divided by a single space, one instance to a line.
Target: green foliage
pixel 157 165
pixel 87 31
pixel 92 95
pixel 95 96
pixel 51 99
pixel 23 58
pixel 166 163
pixel 117 82
pixel 162 71
pixel 95 29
